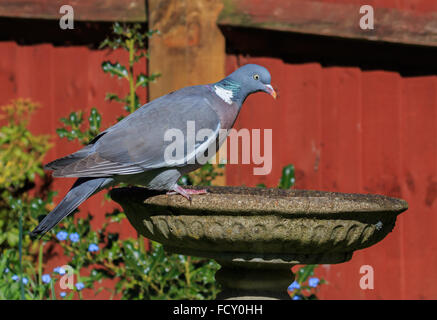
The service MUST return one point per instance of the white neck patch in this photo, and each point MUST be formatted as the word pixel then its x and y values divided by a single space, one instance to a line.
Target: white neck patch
pixel 225 95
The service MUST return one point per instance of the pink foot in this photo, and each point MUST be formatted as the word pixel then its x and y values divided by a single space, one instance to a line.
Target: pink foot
pixel 177 189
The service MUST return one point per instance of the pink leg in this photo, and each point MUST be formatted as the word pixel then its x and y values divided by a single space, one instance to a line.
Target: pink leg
pixel 177 189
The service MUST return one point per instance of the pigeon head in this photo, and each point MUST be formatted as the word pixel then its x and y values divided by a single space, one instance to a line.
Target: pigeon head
pixel 248 79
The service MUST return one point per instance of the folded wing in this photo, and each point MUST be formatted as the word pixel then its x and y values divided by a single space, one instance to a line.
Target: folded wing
pixel 136 144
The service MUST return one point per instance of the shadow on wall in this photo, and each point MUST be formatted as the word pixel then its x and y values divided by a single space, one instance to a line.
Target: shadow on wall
pixel 408 60
pixel 48 31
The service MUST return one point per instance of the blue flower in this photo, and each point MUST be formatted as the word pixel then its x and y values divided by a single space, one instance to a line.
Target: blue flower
pixel 59 270
pixel 80 286
pixel 24 280
pixel 46 278
pixel 62 235
pixel 313 282
pixel 74 237
pixel 63 294
pixel 7 270
pixel 294 285
pixel 15 277
pixel 296 297
pixel 93 247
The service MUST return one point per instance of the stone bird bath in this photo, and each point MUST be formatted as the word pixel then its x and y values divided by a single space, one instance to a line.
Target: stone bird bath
pixel 258 234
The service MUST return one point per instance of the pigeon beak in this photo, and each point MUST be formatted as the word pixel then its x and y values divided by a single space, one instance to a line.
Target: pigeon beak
pixel 270 90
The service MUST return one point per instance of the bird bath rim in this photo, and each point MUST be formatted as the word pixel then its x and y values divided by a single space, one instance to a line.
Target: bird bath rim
pixel 262 225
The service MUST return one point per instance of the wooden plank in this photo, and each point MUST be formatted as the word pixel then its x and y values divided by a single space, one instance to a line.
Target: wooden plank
pixel 190 49
pixel 96 10
pixel 294 119
pixel 8 80
pixel 310 17
pixel 341 129
pixel 262 112
pixel 381 172
pixel 331 19
pixel 340 164
pixel 418 136
pixel 302 123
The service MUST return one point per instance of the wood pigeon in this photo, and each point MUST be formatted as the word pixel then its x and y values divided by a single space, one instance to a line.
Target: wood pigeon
pixel 134 150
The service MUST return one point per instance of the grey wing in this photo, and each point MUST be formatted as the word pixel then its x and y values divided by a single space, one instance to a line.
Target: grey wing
pixel 137 143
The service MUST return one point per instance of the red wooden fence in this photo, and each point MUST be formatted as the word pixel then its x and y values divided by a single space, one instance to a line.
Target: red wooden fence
pixel 350 130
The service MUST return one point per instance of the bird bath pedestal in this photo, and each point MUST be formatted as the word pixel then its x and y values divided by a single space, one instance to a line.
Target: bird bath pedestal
pixel 258 234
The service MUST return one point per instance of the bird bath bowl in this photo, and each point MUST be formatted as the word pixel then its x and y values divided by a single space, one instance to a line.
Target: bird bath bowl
pixel 258 234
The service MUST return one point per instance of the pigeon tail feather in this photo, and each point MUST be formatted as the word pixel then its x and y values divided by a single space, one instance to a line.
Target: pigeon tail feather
pixel 68 160
pixel 82 189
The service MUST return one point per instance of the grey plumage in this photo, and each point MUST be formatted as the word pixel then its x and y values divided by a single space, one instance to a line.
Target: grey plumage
pixel 82 189
pixel 132 150
pixel 139 137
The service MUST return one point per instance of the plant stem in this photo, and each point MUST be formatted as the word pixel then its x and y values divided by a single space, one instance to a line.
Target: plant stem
pixel 79 266
pixel 141 243
pixel 20 252
pixel 130 44
pixel 187 271
pixel 40 256
pixel 52 287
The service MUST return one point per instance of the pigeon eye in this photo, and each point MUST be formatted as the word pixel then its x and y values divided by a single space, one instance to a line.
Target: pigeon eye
pixel 256 76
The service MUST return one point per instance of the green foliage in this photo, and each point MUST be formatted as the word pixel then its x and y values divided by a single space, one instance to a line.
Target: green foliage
pixel 287 179
pixel 21 153
pixel 21 280
pixel 115 69
pixel 305 286
pixel 75 128
pixel 128 37
pixel 204 176
pixel 139 273
pixel 132 39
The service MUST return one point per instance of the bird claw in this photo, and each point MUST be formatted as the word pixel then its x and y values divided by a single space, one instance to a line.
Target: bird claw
pixel 186 192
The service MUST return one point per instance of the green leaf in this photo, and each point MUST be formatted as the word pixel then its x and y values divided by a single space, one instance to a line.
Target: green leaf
pixel 114 97
pixel 305 272
pixel 151 33
pixel 115 69
pixel 139 56
pixel 136 105
pixel 12 237
pixel 143 80
pixel 74 119
pixel 287 179
pixel 94 120
pixel 62 132
pixel 117 28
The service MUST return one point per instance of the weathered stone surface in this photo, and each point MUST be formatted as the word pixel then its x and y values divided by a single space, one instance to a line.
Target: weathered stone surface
pixel 246 224
pixel 257 235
